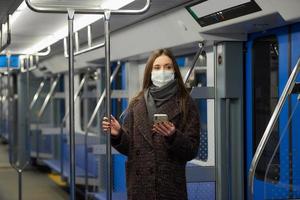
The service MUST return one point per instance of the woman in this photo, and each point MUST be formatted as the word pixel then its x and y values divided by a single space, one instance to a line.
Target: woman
pixel 157 153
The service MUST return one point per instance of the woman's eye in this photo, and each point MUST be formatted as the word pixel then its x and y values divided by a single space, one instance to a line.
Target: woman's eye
pixel 156 67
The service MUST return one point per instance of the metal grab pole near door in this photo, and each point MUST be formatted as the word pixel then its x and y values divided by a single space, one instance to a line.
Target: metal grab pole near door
pixel 11 131
pixel 94 114
pixel 261 146
pixel 71 103
pixel 84 9
pixel 107 63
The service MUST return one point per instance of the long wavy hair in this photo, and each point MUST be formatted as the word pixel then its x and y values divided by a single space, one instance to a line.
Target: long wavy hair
pixel 147 82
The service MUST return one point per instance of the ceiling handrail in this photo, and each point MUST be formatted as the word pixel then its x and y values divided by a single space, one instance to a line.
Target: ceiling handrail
pixel 81 9
pixel 40 53
pixel 89 40
pixel 268 131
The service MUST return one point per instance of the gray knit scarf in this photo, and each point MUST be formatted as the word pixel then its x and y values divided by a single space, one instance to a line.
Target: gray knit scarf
pixel 157 96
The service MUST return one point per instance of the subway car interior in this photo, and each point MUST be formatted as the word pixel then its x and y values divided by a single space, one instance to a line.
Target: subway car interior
pixel 64 65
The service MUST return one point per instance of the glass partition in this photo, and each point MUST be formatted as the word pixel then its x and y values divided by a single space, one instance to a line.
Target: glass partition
pixel 282 179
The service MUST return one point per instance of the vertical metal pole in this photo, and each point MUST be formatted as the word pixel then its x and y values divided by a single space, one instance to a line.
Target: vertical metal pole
pixel 28 112
pixel 71 103
pixel 107 62
pixel 9 135
pixel 86 160
pixel 61 150
pixel 20 183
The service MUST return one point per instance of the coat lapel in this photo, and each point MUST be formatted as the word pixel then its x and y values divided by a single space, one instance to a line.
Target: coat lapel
pixel 171 108
pixel 141 120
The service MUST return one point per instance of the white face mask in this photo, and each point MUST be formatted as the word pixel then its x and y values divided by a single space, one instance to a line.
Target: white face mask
pixel 161 77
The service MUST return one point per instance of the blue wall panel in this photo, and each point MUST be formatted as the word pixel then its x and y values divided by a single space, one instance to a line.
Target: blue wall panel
pixel 296 118
pixel 262 189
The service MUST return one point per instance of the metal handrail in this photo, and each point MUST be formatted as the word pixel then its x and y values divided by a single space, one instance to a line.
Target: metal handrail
pixel 261 146
pixel 88 49
pixel 43 53
pixel 102 97
pixel 188 74
pixel 92 118
pixel 79 52
pixel 84 9
pixel 47 99
pixel 82 82
pixel 81 9
pixel 34 67
pixel 37 94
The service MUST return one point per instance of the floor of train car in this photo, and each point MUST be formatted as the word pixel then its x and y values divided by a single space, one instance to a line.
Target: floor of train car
pixel 36 184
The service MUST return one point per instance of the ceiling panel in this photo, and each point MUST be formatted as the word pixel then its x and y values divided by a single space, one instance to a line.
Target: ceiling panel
pixel 8 7
pixel 31 27
pixel 124 21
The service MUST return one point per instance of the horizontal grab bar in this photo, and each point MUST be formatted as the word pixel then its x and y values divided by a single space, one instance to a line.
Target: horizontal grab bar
pixel 81 9
pixel 19 53
pixel 83 50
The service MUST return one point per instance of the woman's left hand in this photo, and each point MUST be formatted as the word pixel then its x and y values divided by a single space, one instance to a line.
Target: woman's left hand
pixel 164 128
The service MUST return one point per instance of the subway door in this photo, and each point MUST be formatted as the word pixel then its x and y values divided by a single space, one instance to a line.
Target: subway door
pixel 267 70
pixel 295 133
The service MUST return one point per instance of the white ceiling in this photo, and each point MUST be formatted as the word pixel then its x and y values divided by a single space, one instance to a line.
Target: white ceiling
pixel 31 27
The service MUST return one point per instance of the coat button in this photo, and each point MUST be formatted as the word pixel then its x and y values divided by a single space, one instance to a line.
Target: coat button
pixel 138 152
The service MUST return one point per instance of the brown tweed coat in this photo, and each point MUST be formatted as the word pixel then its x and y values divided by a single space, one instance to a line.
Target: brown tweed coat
pixel 156 165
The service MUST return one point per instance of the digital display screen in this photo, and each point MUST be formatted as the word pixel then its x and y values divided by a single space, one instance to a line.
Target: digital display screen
pixel 208 7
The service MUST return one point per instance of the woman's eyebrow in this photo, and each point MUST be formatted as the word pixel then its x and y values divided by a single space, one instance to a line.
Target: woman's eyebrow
pixel 163 64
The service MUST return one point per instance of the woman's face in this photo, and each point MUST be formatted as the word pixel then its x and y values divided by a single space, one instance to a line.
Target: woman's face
pixel 163 62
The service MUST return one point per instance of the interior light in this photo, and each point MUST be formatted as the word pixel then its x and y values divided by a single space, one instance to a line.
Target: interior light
pixel 80 22
pixel 17 13
pixel 115 4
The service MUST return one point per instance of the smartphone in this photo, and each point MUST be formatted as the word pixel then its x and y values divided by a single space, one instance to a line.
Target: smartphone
pixel 160 118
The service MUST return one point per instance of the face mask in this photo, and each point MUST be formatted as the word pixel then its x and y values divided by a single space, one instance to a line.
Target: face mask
pixel 161 77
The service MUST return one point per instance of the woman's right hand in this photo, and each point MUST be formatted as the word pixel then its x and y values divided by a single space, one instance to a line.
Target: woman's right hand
pixel 114 125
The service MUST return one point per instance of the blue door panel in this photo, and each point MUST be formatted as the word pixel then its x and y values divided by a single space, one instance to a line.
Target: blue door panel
pixel 295 120
pixel 259 186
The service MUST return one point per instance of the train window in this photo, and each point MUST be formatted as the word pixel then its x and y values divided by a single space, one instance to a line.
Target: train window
pixel 198 78
pixel 198 75
pixel 265 98
pixel 89 101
